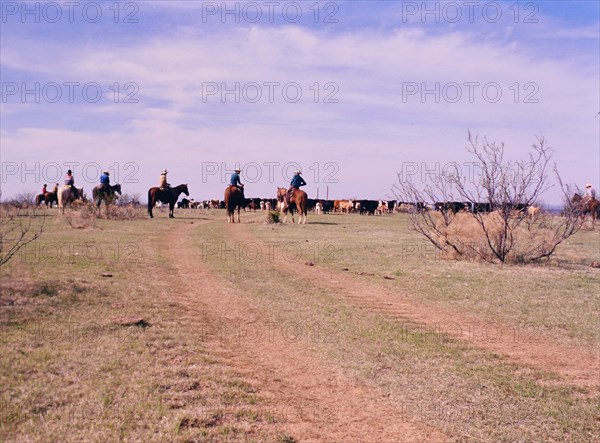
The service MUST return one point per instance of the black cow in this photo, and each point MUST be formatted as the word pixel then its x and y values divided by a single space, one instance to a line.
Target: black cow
pixel 327 206
pixel 481 207
pixel 183 204
pixel 454 207
pixel 368 207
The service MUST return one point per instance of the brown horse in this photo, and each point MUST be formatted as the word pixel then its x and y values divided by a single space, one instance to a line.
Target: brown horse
pixel 234 198
pixel 67 195
pixel 584 207
pixel 168 196
pixel 297 201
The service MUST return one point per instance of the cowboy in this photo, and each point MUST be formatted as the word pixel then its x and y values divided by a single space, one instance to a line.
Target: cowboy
pixel 44 189
pixel 235 180
pixel 55 188
pixel 104 180
pixel 70 182
pixel 162 181
pixel 590 192
pixel 296 182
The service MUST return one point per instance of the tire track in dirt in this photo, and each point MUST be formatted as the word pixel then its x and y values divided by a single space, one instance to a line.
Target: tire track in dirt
pixel 576 366
pixel 321 403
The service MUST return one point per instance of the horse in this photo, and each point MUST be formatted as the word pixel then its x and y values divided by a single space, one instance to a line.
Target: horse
pixel 39 199
pixel 590 206
pixel 52 198
pixel 234 198
pixel 168 196
pixel 298 199
pixel 66 196
pixel 100 194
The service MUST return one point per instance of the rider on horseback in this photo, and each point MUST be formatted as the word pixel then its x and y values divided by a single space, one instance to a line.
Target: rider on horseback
pixel 296 182
pixel 70 182
pixel 104 181
pixel 44 189
pixel 235 180
pixel 162 180
pixel 590 192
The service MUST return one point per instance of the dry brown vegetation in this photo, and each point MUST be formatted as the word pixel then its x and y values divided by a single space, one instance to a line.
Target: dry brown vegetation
pixel 347 351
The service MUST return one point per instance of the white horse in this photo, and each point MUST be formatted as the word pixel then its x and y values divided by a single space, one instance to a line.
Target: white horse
pixel 66 196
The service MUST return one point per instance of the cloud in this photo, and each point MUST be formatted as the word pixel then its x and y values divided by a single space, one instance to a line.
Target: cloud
pixel 394 88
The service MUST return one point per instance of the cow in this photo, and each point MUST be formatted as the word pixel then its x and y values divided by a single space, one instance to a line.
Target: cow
pixel 267 205
pixel 328 206
pixel 346 206
pixel 382 207
pixel 534 212
pixel 368 207
pixel 319 208
pixel 481 207
pixel 183 204
pixel 262 205
pixel 453 207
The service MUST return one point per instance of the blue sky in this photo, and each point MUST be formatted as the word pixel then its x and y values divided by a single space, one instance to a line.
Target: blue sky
pixel 148 82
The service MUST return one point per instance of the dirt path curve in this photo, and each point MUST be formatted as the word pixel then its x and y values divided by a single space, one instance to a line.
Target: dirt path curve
pixel 575 365
pixel 317 402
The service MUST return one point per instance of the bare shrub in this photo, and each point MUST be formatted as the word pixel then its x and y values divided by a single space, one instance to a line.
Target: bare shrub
pixel 488 218
pixel 82 215
pixel 273 216
pixel 125 212
pixel 18 226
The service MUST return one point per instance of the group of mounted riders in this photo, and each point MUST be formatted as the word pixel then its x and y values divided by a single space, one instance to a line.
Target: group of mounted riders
pixel 291 199
pixel 68 193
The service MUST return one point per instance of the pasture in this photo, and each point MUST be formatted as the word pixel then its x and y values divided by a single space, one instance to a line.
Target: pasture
pixel 349 328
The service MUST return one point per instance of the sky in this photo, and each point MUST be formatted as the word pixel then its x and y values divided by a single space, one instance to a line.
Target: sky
pixel 351 92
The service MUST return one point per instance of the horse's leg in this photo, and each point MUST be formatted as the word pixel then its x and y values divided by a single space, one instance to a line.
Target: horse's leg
pixel 239 215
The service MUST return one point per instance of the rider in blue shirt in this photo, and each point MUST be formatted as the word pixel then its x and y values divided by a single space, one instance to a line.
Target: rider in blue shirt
pixel 296 182
pixel 105 179
pixel 235 180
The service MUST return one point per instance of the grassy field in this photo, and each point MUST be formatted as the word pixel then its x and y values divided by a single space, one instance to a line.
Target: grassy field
pixel 195 330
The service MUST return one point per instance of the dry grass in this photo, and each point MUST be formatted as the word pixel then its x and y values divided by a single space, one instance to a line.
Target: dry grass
pixel 440 381
pixel 68 372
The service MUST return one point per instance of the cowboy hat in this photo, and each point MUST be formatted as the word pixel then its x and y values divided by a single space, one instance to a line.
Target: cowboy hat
pixel 588 185
pixel 237 170
pixel 297 171
pixel 105 172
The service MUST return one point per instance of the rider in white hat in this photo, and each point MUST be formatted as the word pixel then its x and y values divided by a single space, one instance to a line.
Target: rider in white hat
pixel 235 180
pixel 296 182
pixel 590 192
pixel 162 181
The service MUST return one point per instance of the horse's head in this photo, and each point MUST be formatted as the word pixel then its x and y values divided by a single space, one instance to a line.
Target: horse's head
pixel 117 188
pixel 185 190
pixel 281 193
pixel 576 198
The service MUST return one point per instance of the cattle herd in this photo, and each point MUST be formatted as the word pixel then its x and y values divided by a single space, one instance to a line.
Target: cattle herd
pixel 363 207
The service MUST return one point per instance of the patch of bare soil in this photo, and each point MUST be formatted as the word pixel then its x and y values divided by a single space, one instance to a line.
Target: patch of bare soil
pixel 314 401
pixel 576 366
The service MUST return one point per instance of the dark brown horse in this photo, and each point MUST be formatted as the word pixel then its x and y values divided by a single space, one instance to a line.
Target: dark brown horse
pixel 234 198
pixel 587 207
pixel 106 195
pixel 297 202
pixel 167 196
